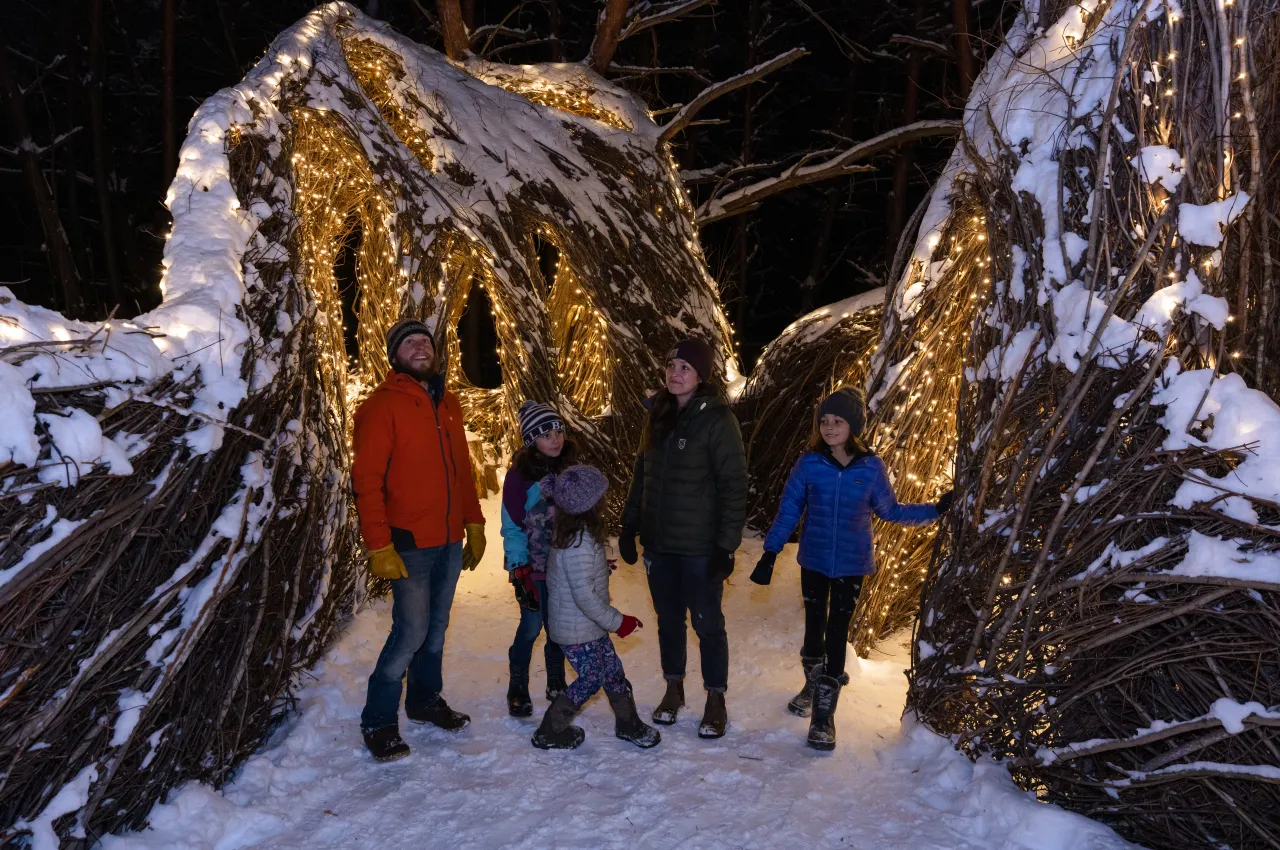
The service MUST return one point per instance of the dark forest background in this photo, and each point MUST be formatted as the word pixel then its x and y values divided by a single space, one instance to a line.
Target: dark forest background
pixel 97 94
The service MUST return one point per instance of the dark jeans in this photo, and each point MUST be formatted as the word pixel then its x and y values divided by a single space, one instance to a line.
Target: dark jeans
pixel 679 583
pixel 419 617
pixel 531 623
pixel 828 608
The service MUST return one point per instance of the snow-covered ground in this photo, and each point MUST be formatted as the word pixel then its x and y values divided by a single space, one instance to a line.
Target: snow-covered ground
pixel 887 785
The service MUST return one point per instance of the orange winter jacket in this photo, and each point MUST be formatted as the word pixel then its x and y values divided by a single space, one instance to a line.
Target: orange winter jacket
pixel 412 469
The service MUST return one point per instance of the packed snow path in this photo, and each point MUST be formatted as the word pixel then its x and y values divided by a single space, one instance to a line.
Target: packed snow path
pixel 886 785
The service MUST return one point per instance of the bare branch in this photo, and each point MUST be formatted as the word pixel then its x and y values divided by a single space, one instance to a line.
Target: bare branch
pixel 924 44
pixel 498 29
pixel 608 28
pixel 670 13
pixel 749 197
pixel 686 113
pixel 643 71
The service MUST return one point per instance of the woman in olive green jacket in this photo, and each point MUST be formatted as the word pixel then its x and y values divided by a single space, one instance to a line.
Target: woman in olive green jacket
pixel 688 501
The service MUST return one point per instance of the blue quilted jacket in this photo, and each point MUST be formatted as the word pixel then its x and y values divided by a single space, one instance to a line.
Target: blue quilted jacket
pixel 838 505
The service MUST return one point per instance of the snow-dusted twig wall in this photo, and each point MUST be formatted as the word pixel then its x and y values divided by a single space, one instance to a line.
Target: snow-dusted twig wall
pixel 1103 607
pixel 180 540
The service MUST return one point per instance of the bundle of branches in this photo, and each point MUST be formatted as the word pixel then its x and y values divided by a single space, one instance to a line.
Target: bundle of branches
pixel 176 488
pixel 1104 608
pixel 828 348
pixel 914 385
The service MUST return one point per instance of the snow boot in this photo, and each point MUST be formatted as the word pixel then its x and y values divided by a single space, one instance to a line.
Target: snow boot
pixel 714 717
pixel 672 702
pixel 822 727
pixel 518 702
pixel 555 681
pixel 627 723
pixel 385 743
pixel 802 703
pixel 438 713
pixel 557 731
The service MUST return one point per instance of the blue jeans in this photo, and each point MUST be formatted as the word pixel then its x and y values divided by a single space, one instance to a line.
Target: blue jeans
pixel 531 623
pixel 419 617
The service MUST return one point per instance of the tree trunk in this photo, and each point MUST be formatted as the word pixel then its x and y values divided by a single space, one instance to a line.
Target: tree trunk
pixel 168 111
pixel 748 132
pixel 964 53
pixel 61 262
pixel 557 46
pixel 64 157
pixel 608 28
pixel 97 135
pixel 902 167
pixel 469 14
pixel 456 44
pixel 810 285
pixel 228 35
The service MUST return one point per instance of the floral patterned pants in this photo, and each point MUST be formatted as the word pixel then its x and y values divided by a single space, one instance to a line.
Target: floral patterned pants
pixel 597 664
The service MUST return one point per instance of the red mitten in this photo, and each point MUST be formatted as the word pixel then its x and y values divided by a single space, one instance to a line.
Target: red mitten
pixel 629 625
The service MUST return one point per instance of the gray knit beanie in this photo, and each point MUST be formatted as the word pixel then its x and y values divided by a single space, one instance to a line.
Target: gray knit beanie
pixel 577 489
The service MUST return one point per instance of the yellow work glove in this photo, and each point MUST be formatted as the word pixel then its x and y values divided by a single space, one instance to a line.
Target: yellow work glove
pixel 387 563
pixel 473 549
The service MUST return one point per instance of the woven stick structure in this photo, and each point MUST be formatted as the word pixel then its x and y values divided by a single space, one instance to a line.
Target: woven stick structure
pixel 180 535
pixel 828 348
pixel 1102 609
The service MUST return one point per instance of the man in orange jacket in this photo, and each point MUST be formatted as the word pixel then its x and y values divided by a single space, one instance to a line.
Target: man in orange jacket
pixel 415 496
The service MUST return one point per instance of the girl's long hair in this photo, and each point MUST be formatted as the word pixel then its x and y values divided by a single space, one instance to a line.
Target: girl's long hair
pixel 663 413
pixel 535 466
pixel 568 528
pixel 855 445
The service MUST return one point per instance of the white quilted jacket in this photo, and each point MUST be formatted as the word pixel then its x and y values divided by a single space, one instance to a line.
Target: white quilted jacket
pixel 578 593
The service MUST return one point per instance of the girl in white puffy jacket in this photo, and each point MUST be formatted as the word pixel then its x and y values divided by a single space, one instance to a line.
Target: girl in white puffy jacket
pixel 580 614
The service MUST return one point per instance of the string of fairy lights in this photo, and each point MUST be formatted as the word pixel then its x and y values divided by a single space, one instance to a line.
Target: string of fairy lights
pixel 914 425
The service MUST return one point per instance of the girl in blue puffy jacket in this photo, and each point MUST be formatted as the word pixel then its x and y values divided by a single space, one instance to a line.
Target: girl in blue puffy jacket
pixel 837 485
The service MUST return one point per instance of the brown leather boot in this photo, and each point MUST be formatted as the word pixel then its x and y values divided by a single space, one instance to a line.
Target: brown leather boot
pixel 672 702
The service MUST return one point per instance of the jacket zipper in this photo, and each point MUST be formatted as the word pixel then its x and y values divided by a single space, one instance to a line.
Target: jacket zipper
pixel 835 519
pixel 444 464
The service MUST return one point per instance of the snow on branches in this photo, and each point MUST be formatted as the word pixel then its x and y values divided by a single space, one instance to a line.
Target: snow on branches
pixel 1110 566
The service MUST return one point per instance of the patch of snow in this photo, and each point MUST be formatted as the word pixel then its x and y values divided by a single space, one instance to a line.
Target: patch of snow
pixel 69 798
pixel 61 531
pixel 1204 224
pixel 1218 558
pixel 1157 312
pixel 1159 164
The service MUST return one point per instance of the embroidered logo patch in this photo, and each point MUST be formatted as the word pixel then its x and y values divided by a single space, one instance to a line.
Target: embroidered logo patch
pixel 682 442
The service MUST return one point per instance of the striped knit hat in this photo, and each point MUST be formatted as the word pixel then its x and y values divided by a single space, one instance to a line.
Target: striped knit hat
pixel 401 331
pixel 537 419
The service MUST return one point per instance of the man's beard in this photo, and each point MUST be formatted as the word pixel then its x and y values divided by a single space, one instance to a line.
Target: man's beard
pixel 414 372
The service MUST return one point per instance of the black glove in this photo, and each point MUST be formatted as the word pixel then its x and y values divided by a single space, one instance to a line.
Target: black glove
pixel 763 573
pixel 526 589
pixel 721 566
pixel 627 545
pixel 944 502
